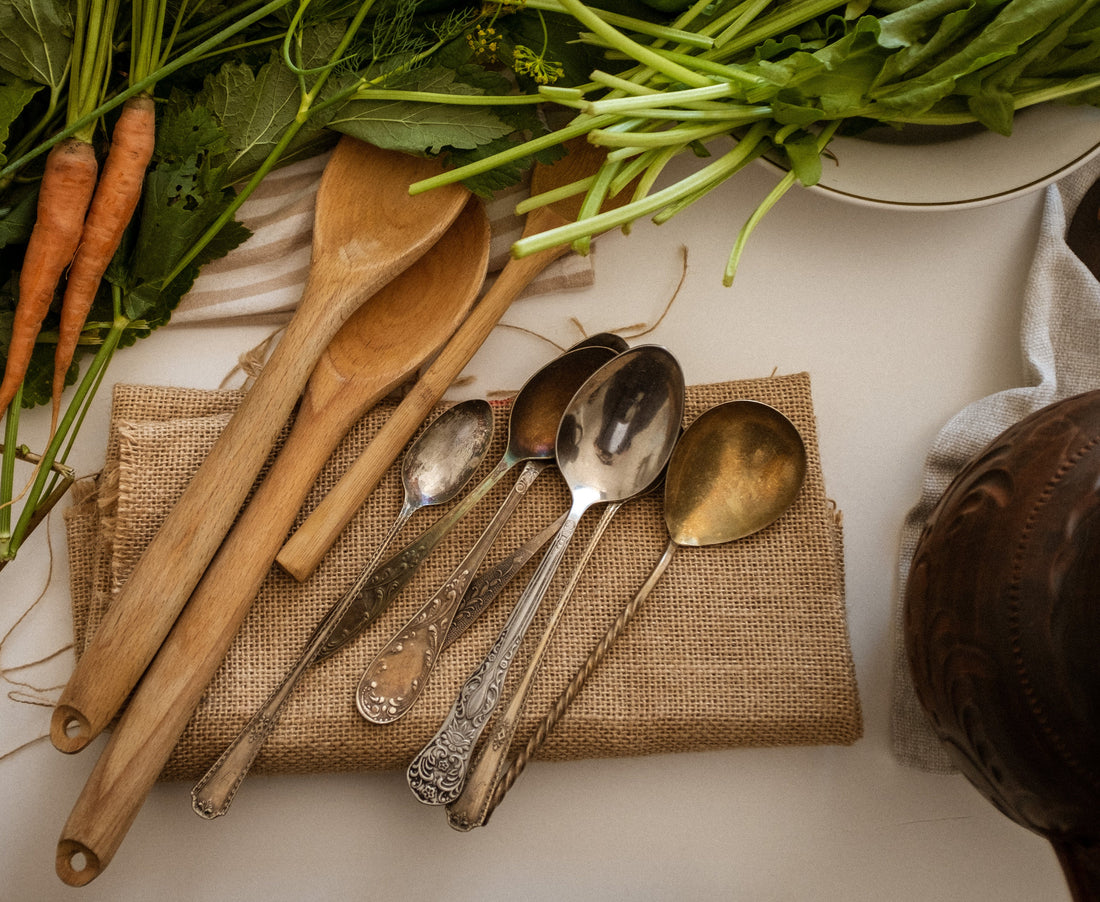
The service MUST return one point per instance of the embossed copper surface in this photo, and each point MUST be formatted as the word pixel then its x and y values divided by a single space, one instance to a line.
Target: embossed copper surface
pixel 1002 626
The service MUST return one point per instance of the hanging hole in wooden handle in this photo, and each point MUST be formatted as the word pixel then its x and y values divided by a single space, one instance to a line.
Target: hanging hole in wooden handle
pixel 77 865
pixel 69 729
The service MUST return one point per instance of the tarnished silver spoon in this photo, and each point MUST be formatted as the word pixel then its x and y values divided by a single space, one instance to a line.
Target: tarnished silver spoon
pixel 614 439
pixel 735 470
pixel 435 468
pixel 395 678
pixel 392 575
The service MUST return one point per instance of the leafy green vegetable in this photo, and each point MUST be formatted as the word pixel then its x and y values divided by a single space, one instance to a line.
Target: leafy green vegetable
pixel 783 78
pixel 36 39
pixel 420 127
pixel 15 94
pixel 185 192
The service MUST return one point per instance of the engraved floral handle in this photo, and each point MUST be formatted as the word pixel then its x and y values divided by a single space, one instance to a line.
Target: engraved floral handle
pixel 474 804
pixel 484 590
pixel 213 794
pixel 438 772
pixel 569 693
pixel 379 587
pixel 396 677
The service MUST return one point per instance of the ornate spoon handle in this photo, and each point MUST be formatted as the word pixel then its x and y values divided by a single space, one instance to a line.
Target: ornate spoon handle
pixel 484 590
pixel 213 794
pixel 381 584
pixel 438 771
pixel 472 807
pixel 570 692
pixel 395 678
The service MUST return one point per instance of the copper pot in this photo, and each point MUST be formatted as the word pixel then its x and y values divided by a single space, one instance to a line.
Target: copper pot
pixel 1002 628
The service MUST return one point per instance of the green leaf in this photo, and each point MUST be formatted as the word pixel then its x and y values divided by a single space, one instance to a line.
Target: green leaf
pixel 417 127
pixel 36 40
pixel 184 194
pixel 18 214
pixel 15 94
pixel 255 109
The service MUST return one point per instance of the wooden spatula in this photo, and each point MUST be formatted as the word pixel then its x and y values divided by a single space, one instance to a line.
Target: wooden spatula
pixel 304 550
pixel 367 230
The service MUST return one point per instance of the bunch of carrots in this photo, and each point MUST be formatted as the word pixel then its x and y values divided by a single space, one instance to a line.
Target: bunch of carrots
pixel 81 216
pixel 83 209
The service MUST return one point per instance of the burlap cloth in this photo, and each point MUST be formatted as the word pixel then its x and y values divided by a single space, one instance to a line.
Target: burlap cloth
pixel 741 645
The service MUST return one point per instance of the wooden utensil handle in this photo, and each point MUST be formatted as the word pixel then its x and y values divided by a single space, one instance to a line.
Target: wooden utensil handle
pixel 305 548
pixel 169 692
pixel 141 615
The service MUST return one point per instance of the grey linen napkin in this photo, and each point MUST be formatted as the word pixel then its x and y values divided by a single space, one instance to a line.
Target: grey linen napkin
pixel 1060 341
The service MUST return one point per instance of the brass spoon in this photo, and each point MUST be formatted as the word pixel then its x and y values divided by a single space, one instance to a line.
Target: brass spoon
pixel 367 230
pixel 613 441
pixel 735 470
pixel 399 672
pixel 436 467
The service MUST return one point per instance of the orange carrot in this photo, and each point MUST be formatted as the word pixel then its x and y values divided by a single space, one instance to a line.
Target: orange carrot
pixel 63 196
pixel 116 198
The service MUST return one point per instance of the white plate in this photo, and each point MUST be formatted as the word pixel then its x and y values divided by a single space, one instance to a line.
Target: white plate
pixel 961 167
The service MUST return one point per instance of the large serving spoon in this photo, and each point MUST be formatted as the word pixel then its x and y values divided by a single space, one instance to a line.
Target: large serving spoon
pixel 367 230
pixel 392 575
pixel 435 469
pixel 397 675
pixel 304 550
pixel 735 470
pixel 373 352
pixel 613 441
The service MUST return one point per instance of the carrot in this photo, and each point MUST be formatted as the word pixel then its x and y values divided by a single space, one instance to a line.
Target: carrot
pixel 68 181
pixel 116 197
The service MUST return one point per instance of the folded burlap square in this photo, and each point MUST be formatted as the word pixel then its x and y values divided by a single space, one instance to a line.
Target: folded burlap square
pixel 740 645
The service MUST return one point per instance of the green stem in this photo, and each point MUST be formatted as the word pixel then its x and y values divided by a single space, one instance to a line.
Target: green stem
pixel 272 159
pixel 611 219
pixel 7 467
pixel 144 84
pixel 582 125
pixel 785 184
pixel 630 23
pixel 90 380
pixel 645 55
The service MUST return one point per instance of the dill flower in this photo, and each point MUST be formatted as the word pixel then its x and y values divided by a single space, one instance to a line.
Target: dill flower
pixel 536 66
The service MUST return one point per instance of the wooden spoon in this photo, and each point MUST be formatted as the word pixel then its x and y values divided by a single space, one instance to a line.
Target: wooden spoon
pixel 367 230
pixel 305 548
pixel 377 349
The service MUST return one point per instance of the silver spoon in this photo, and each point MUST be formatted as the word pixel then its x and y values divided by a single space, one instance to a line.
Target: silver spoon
pixel 393 574
pixel 613 441
pixel 735 470
pixel 435 468
pixel 399 672
pixel 471 808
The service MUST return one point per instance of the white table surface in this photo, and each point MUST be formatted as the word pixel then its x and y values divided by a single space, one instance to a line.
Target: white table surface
pixel 901 318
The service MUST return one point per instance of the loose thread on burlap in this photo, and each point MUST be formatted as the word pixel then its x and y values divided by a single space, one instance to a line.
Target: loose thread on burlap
pixel 23 692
